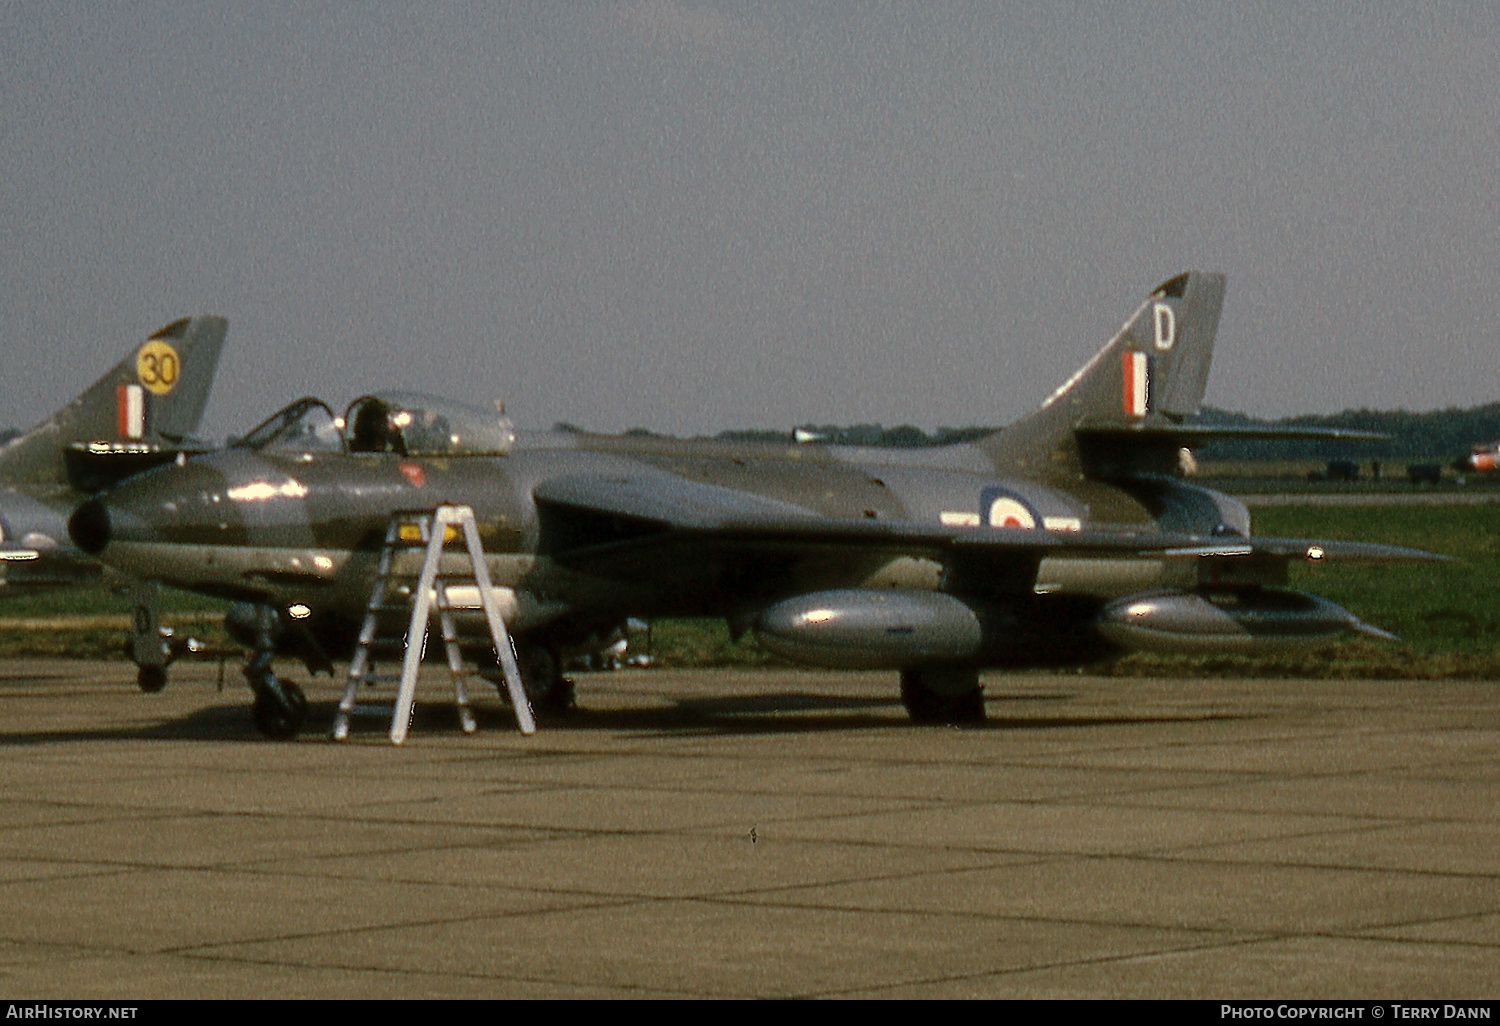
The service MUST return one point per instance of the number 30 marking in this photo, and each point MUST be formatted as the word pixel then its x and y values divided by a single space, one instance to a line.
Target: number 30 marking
pixel 158 367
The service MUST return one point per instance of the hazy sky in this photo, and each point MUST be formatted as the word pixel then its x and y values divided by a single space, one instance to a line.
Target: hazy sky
pixel 695 216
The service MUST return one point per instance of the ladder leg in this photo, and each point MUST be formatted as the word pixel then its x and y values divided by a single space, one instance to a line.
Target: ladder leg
pixel 498 634
pixel 358 674
pixel 346 706
pixel 416 635
pixel 359 664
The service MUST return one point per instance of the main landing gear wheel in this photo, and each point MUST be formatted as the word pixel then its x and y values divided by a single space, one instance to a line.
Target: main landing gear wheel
pixel 942 695
pixel 280 717
pixel 547 689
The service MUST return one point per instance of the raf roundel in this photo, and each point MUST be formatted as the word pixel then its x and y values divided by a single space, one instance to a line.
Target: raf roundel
pixel 157 366
pixel 1007 512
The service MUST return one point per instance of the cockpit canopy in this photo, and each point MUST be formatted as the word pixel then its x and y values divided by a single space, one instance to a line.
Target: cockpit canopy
pixel 420 425
pixel 404 423
pixel 307 425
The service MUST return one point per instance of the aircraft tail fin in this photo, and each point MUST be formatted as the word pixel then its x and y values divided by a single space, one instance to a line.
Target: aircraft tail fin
pixel 1145 380
pixel 150 400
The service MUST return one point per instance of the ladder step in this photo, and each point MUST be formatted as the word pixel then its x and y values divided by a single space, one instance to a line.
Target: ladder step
pixel 404 608
pixel 377 679
pixel 372 709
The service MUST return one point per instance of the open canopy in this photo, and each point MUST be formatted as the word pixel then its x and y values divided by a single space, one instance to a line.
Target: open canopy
pixel 405 423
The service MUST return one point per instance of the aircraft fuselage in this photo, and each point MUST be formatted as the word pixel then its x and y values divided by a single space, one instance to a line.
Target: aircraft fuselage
pixel 283 528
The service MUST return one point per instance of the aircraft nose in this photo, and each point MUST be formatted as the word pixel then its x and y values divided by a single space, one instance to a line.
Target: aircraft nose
pixel 89 526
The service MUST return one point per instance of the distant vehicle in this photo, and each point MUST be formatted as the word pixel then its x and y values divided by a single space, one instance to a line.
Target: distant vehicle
pixel 1336 470
pixel 1343 470
pixel 1066 538
pixel 1482 457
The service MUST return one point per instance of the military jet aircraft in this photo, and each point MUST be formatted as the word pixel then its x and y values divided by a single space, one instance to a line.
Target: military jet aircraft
pixel 143 412
pixel 1066 538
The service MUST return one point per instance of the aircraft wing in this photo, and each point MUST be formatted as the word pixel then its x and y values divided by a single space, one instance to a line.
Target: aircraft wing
pixel 589 513
pixel 1313 550
pixel 663 499
pixel 99 465
pixel 666 526
pixel 1192 435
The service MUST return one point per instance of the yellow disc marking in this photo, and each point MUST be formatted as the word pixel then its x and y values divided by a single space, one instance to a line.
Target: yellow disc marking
pixel 158 367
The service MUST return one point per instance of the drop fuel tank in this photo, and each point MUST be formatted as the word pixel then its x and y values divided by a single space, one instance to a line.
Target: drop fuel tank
pixel 1237 620
pixel 869 629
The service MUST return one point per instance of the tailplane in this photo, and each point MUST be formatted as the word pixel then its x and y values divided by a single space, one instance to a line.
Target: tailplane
pixel 149 402
pixel 1117 416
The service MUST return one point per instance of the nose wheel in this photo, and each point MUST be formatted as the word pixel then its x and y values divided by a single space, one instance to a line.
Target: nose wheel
pixel 280 714
pixel 280 707
pixel 151 679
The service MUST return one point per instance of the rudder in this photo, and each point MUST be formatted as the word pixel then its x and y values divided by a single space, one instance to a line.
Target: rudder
pixel 1154 371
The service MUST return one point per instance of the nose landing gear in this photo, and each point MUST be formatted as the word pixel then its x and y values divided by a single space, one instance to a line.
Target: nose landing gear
pixel 280 707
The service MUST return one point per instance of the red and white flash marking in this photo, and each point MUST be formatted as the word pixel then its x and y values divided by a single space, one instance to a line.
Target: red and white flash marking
pixel 130 411
pixel 1136 368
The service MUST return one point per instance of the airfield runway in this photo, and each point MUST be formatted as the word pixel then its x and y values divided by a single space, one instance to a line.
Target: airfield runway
pixel 772 833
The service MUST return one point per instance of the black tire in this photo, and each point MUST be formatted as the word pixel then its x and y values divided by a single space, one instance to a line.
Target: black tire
pixel 275 720
pixel 959 699
pixel 968 708
pixel 546 688
pixel 151 679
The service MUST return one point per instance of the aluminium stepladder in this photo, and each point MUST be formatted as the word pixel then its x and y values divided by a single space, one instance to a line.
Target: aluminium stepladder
pixel 431 530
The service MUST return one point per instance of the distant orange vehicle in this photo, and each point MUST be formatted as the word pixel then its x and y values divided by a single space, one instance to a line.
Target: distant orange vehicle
pixel 1482 458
